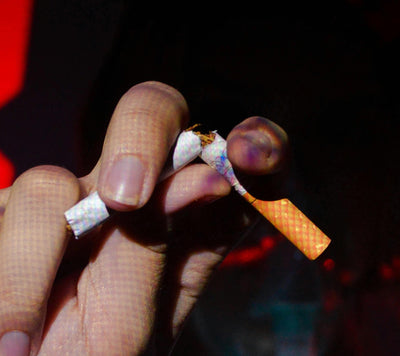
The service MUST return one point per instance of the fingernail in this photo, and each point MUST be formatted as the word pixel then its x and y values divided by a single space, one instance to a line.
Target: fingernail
pixel 15 343
pixel 125 179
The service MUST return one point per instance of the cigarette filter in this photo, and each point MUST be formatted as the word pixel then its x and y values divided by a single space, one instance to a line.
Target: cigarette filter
pixel 283 214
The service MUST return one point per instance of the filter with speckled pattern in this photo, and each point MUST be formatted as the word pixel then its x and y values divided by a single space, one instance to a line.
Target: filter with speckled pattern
pixel 283 214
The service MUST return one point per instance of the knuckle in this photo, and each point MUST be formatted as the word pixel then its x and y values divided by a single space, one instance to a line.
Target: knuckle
pixel 157 88
pixel 13 298
pixel 25 313
pixel 157 96
pixel 48 178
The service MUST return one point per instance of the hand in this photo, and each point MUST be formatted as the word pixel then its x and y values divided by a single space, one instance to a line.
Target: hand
pixel 126 288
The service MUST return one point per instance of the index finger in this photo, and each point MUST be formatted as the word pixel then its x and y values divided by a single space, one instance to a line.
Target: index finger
pixel 143 127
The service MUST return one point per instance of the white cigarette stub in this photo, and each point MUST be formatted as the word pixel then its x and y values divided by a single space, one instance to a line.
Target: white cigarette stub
pixel 188 147
pixel 87 214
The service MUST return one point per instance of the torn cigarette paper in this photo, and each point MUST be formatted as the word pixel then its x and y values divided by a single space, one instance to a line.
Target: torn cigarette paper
pixel 215 155
pixel 187 148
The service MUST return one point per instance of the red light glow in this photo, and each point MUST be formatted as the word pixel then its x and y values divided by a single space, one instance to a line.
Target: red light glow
pixel 6 171
pixel 251 254
pixel 396 263
pixel 15 19
pixel 347 277
pixel 329 264
pixel 386 272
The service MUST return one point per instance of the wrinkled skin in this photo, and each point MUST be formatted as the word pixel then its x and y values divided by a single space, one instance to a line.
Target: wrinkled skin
pixel 126 288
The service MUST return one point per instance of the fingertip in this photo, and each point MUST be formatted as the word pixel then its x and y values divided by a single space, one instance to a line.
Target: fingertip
pixel 15 343
pixel 41 180
pixel 144 125
pixel 33 241
pixel 168 94
pixel 257 146
pixel 251 152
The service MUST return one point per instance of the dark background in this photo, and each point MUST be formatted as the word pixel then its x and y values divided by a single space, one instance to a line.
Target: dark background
pixel 328 74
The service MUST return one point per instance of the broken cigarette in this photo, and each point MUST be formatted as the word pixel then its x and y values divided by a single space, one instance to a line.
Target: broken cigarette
pixel 91 211
pixel 283 214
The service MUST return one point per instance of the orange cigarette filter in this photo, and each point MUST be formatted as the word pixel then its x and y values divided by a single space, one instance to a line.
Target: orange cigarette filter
pixel 293 224
pixel 283 214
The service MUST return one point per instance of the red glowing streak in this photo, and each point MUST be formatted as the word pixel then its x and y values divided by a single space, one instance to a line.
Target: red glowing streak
pixel 251 254
pixel 6 171
pixel 329 265
pixel 386 272
pixel 15 19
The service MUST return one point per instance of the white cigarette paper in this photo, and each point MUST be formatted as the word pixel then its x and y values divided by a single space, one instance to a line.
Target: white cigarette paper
pixel 87 214
pixel 187 148
pixel 215 155
pixel 91 211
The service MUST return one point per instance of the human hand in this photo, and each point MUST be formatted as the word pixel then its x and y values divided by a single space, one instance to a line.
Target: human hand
pixel 126 288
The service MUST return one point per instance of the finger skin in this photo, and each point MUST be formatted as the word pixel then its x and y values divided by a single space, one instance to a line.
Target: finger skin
pixel 116 302
pixel 32 243
pixel 144 126
pixel 4 194
pixel 117 292
pixel 197 183
pixel 126 254
pixel 257 146
pixel 114 310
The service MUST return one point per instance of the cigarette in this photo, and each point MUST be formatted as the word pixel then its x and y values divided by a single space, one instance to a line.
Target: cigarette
pixel 282 213
pixel 91 211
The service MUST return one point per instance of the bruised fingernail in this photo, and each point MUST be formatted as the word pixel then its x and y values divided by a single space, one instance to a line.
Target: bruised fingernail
pixel 251 151
pixel 15 343
pixel 124 182
pixel 260 141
